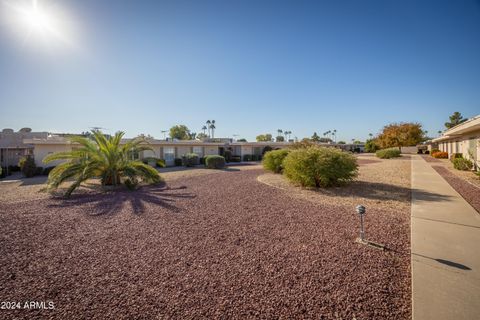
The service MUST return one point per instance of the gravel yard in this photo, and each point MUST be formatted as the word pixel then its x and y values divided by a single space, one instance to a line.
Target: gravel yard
pixel 465 183
pixel 216 245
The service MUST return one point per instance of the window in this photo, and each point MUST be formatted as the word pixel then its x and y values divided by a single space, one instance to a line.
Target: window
pixel 198 151
pixel 169 153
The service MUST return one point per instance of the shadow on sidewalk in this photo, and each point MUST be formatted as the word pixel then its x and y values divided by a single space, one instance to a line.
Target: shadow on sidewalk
pixel 445 262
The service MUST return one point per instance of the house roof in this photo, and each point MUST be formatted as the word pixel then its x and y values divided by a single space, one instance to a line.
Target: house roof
pixel 471 125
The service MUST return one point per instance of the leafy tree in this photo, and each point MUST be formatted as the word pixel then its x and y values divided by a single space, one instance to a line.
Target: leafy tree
pixel 101 157
pixel 357 142
pixel 201 136
pixel 455 119
pixel 371 146
pixel 180 132
pixel 280 139
pixel 264 137
pixel 242 140
pixel 342 142
pixel 400 135
pixel 315 137
pixel 325 140
pixel 192 135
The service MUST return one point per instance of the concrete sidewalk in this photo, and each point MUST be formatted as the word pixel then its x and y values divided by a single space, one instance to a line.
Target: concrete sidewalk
pixel 445 237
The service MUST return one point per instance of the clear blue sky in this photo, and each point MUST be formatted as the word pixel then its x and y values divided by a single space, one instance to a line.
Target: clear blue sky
pixel 253 66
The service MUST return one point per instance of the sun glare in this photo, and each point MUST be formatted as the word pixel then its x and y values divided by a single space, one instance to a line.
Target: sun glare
pixel 36 21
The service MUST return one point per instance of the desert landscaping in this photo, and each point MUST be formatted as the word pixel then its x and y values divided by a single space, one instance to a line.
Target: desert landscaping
pixel 235 243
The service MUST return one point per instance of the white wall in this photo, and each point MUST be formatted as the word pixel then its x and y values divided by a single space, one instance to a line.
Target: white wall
pixel 41 151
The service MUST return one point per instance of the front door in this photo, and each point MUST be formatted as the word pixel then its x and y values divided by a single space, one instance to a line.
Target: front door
pixel 169 155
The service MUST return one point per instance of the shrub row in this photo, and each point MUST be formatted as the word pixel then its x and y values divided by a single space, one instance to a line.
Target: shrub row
pixel 462 164
pixel 388 153
pixel 440 155
pixel 313 166
pixel 273 160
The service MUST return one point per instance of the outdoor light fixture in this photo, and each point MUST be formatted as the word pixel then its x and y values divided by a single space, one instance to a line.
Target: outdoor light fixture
pixel 361 210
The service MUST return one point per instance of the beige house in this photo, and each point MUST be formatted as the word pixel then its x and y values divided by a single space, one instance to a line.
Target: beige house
pixel 463 138
pixel 13 147
pixel 169 150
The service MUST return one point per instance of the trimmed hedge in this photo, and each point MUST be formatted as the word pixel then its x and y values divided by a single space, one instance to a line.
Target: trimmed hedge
pixel 247 157
pixel 462 164
pixel 215 162
pixel 388 153
pixel 440 155
pixel 273 160
pixel 320 167
pixel 190 160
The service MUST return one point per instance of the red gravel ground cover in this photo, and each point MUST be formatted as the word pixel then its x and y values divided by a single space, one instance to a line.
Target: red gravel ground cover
pixel 467 190
pixel 214 246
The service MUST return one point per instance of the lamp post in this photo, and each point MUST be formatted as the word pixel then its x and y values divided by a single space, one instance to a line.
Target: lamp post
pixel 361 211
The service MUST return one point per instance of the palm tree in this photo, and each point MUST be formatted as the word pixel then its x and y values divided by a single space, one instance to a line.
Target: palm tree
pixel 208 126
pixel 212 127
pixel 279 132
pixel 204 128
pixel 101 157
pixel 335 134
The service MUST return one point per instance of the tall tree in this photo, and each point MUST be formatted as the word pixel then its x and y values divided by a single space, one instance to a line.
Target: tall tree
pixel 280 139
pixel 401 135
pixel 315 137
pixel 264 137
pixel 455 119
pixel 208 127
pixel 180 132
pixel 204 129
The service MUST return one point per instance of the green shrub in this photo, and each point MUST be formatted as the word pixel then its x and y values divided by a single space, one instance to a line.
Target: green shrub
pixel 388 153
pixel 462 164
pixel 440 155
pixel 214 162
pixel 202 160
pixel 456 156
pixel 161 163
pixel 178 162
pixel 371 146
pixel 190 160
pixel 247 157
pixel 28 167
pixel 320 166
pixel 273 160
pixel 236 159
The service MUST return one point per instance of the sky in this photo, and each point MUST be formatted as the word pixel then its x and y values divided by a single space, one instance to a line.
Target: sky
pixel 252 66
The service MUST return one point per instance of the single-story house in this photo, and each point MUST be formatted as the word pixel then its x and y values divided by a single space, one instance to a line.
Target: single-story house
pixel 463 138
pixel 169 150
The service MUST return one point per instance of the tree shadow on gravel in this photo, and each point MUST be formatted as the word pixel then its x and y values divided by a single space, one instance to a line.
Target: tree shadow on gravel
pixel 112 202
pixel 381 191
